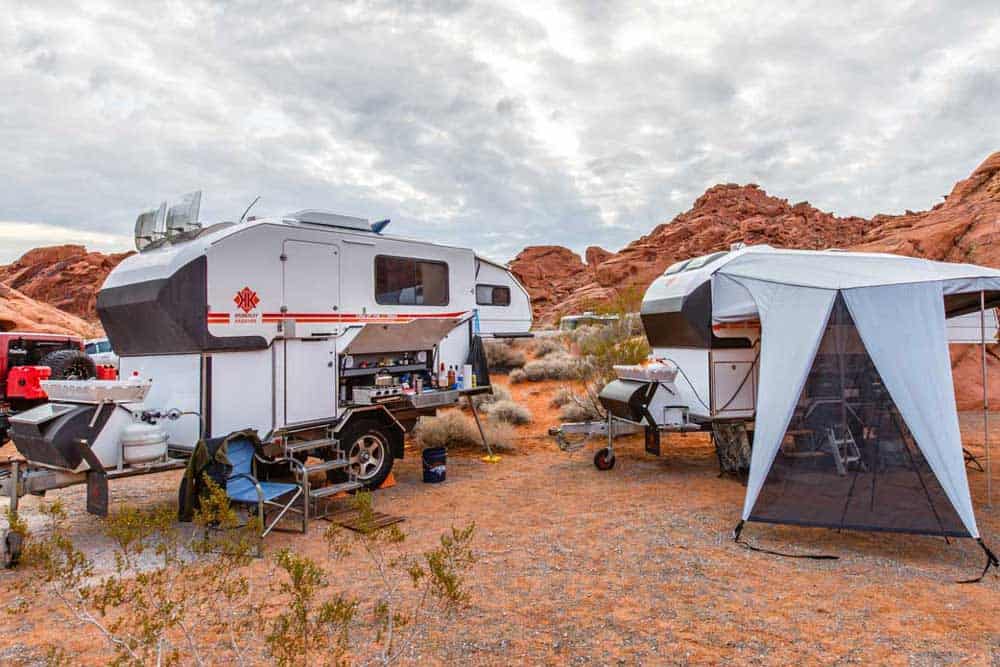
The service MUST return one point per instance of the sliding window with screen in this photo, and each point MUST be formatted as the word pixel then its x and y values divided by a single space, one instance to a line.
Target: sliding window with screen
pixel 406 281
pixel 492 295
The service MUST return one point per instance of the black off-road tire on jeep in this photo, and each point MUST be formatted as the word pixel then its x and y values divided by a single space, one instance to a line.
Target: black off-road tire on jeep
pixel 69 364
pixel 367 444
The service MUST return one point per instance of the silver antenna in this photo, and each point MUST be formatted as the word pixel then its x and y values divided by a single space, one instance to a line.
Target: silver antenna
pixel 243 217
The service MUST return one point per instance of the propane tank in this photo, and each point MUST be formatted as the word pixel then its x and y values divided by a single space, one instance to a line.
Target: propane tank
pixel 142 443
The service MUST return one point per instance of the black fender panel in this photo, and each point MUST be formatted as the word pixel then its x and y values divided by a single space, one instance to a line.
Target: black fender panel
pixel 378 413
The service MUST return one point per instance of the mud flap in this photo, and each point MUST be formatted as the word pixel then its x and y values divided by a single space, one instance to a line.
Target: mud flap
pixel 652 440
pixel 97 492
pixel 97 481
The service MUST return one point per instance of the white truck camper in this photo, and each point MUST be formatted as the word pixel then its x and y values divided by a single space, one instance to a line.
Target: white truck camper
pixel 704 371
pixel 316 330
pixel 702 374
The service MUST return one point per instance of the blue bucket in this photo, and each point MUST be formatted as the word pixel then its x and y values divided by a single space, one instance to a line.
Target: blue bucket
pixel 435 464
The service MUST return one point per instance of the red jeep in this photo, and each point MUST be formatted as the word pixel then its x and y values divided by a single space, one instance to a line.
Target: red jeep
pixel 28 358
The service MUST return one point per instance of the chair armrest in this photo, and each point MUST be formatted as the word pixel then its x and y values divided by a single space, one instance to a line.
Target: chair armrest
pixel 298 467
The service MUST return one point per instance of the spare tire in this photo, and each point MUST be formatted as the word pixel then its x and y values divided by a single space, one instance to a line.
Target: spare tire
pixel 69 365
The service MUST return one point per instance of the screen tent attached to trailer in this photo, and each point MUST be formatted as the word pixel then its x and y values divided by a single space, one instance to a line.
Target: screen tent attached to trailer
pixel 856 424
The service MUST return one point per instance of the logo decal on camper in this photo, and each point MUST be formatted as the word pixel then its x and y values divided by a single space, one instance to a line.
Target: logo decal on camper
pixel 246 299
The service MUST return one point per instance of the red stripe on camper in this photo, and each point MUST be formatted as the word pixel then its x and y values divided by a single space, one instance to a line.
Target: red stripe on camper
pixel 322 318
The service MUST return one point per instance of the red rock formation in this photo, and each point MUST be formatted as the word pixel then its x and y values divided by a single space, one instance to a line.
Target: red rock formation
pixel 963 228
pixel 725 214
pixel 22 313
pixel 67 277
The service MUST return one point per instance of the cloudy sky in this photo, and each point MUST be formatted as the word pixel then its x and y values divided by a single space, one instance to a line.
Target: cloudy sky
pixel 489 124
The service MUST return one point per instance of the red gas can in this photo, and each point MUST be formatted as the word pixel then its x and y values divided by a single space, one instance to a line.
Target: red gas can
pixel 107 372
pixel 26 382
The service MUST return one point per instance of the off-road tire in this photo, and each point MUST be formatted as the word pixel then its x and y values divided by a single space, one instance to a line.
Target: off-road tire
pixel 353 441
pixel 69 364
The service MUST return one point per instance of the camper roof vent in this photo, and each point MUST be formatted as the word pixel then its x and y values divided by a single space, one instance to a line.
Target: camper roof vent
pixel 317 217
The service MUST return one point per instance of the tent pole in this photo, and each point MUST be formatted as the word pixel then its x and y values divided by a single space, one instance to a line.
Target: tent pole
pixel 986 401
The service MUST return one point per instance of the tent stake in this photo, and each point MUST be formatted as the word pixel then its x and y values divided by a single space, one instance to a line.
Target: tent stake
pixel 986 401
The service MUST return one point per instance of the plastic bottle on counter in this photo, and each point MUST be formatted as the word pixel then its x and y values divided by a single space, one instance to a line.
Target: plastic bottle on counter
pixel 451 377
pixel 461 381
pixel 442 378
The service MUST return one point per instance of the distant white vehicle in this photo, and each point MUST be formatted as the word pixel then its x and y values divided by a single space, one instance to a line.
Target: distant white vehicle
pixel 99 349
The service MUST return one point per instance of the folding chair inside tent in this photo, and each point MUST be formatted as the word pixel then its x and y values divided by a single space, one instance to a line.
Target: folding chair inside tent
pixel 244 488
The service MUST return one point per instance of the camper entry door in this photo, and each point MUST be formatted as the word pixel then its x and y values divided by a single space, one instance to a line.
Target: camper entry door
pixel 310 304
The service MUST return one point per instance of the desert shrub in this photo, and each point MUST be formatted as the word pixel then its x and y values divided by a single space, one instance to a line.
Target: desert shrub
pixel 517 375
pixel 450 428
pixel 548 345
pixel 580 410
pixel 500 393
pixel 610 346
pixel 633 324
pixel 455 430
pixel 502 436
pixel 563 396
pixel 509 411
pixel 503 356
pixel 556 366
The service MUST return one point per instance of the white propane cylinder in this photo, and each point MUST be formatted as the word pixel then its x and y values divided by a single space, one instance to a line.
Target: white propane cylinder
pixel 142 443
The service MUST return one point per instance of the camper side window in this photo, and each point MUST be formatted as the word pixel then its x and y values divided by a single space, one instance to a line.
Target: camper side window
pixel 492 295
pixel 405 281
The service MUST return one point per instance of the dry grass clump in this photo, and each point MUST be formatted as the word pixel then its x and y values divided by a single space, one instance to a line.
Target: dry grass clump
pixel 450 428
pixel 562 396
pixel 556 366
pixel 453 430
pixel 548 345
pixel 500 393
pixel 509 411
pixel 501 436
pixel 503 356
pixel 579 410
pixel 517 375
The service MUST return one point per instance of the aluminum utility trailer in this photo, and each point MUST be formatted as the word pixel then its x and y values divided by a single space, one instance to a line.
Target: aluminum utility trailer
pixel 643 399
pixel 90 432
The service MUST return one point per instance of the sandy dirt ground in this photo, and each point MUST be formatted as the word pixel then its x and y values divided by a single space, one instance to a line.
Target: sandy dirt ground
pixel 632 566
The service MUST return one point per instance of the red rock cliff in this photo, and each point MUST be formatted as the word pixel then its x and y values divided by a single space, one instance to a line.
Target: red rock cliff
pixel 67 277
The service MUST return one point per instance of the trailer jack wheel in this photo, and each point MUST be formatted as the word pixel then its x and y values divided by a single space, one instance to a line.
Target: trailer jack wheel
pixel 12 543
pixel 604 459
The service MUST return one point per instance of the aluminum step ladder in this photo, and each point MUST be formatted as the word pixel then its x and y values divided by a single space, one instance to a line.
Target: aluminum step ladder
pixel 844 450
pixel 317 500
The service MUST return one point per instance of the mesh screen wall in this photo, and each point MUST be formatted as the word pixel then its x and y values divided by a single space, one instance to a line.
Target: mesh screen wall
pixel 847 459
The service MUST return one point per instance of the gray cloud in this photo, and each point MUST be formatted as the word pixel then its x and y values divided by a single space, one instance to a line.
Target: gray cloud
pixel 492 125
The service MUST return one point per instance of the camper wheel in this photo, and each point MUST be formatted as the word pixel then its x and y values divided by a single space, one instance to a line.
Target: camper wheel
pixel 604 459
pixel 366 445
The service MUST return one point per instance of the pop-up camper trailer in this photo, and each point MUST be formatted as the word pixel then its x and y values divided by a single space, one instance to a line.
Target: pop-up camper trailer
pixel 835 363
pixel 312 329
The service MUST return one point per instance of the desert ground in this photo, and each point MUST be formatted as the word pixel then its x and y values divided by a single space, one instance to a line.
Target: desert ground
pixel 632 566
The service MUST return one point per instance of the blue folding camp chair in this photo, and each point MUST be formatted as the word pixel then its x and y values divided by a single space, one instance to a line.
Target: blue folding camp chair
pixel 243 487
